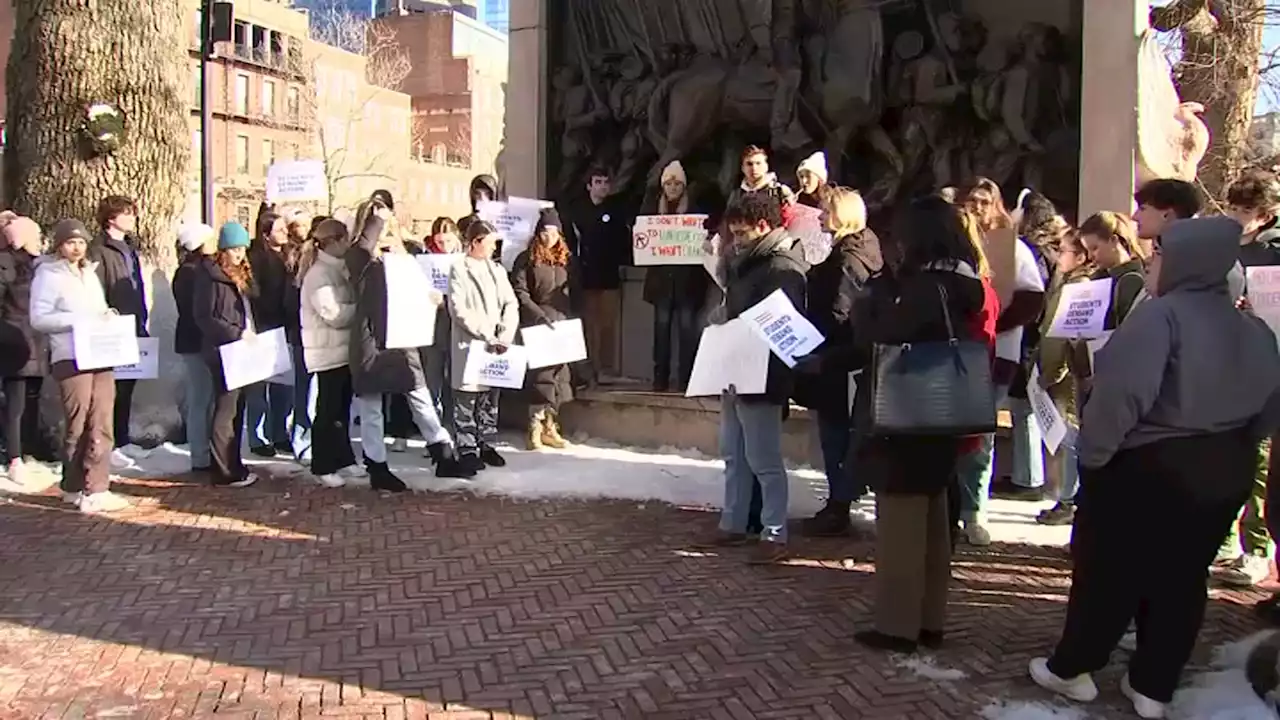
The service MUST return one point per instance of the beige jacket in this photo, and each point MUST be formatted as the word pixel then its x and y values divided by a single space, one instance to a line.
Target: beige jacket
pixel 484 307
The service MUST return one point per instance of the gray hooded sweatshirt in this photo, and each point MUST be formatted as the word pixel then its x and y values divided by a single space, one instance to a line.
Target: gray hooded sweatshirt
pixel 1185 362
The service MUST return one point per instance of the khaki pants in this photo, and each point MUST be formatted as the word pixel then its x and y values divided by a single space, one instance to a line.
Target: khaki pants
pixel 602 314
pixel 913 563
pixel 88 401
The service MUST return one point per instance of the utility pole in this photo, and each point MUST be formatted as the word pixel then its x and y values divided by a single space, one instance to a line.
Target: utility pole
pixel 216 23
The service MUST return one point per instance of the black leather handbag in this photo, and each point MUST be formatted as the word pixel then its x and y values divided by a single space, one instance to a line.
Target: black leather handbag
pixel 940 388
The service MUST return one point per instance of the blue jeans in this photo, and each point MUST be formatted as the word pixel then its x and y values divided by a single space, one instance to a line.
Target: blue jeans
pixel 304 407
pixel 1069 468
pixel 199 415
pixel 267 407
pixel 751 443
pixel 676 322
pixel 835 436
pixel 975 471
pixel 1028 446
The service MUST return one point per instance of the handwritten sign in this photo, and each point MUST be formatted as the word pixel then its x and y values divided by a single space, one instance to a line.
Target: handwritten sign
pixel 148 365
pixel 515 218
pixel 669 240
pixel 488 369
pixel 790 335
pixel 559 343
pixel 807 228
pixel 296 181
pixel 1082 310
pixel 1264 294
pixel 437 267
pixel 411 318
pixel 1053 429
pixel 730 357
pixel 108 342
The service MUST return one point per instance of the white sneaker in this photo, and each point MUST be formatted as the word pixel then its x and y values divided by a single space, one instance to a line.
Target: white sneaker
pixel 246 482
pixel 399 445
pixel 137 452
pixel 977 534
pixel 353 472
pixel 1247 571
pixel 72 498
pixel 1143 705
pixel 1129 641
pixel 120 460
pixel 1079 688
pixel 331 480
pixel 103 502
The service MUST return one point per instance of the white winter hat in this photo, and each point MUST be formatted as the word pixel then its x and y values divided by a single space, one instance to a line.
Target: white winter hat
pixel 816 164
pixel 193 237
pixel 674 171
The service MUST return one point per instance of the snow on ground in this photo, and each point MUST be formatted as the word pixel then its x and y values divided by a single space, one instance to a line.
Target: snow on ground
pixel 926 668
pixel 1011 710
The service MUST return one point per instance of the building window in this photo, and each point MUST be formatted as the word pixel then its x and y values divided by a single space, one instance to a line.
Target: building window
pixel 439 153
pixel 291 103
pixel 242 154
pixel 197 77
pixel 197 145
pixel 244 215
pixel 242 94
pixel 268 155
pixel 293 151
pixel 268 98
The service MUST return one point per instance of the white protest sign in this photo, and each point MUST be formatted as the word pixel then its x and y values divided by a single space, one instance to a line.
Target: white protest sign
pixel 729 356
pixel 1263 293
pixel 790 335
pixel 148 365
pixel 1053 429
pixel 296 181
pixel 255 358
pixel 1082 310
pixel 488 369
pixel 711 260
pixel 669 240
pixel 437 267
pixel 411 317
pixel 807 228
pixel 515 220
pixel 559 343
pixel 107 342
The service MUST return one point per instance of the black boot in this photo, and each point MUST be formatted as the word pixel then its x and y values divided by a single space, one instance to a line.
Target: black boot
pixel 831 521
pixel 491 457
pixel 471 463
pixel 447 463
pixel 381 478
pixel 754 524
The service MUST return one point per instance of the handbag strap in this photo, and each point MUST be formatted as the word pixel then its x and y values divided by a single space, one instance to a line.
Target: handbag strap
pixel 946 315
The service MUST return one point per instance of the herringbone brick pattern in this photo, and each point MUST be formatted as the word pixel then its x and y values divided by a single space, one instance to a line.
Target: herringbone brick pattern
pixel 285 601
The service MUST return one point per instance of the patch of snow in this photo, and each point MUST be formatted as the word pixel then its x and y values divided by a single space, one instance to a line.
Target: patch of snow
pixel 1223 693
pixel 1017 710
pixel 925 667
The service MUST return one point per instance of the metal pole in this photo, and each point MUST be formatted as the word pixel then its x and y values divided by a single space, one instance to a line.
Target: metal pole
pixel 206 113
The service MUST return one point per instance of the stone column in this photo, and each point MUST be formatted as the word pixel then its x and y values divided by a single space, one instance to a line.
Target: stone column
pixel 1110 35
pixel 524 151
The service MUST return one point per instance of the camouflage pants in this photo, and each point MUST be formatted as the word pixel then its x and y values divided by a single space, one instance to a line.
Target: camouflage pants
pixel 475 418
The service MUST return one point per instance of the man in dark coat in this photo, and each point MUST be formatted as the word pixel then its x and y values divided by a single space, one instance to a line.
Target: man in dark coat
pixel 599 235
pixel 120 270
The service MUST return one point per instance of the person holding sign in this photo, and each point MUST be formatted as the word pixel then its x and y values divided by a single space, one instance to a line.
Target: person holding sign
pixel 444 240
pixel 378 370
pixel 220 302
pixel 485 309
pixel 64 292
pixel 273 260
pixel 1182 394
pixel 545 281
pixel 199 243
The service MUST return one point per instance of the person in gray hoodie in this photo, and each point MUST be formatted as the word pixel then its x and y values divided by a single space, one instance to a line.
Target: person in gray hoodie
pixel 1183 392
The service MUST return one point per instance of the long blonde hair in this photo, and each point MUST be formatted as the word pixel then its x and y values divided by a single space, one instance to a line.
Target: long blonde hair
pixel 979 247
pixel 846 211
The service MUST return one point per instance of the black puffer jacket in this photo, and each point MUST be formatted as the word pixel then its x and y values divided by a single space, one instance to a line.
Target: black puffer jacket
pixel 120 271
pixel 22 350
pixel 773 263
pixel 186 336
pixel 276 304
pixel 375 369
pixel 221 312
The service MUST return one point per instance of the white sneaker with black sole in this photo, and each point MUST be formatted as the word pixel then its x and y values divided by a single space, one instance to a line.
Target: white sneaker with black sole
pixel 1080 688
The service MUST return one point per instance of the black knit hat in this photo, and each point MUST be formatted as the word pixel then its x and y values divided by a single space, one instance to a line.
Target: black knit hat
pixel 548 218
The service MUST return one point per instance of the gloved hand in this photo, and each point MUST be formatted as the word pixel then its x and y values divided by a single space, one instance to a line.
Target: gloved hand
pixel 496 347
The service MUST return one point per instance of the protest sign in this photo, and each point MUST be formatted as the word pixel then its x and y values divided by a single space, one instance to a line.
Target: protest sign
pixel 255 358
pixel 789 334
pixel 110 341
pixel 437 267
pixel 1053 429
pixel 296 181
pixel 515 219
pixel 730 356
pixel 1082 310
pixel 148 365
pixel 669 240
pixel 491 370
pixel 1263 293
pixel 807 228
pixel 1000 247
pixel 559 343
pixel 411 316
pixel 711 260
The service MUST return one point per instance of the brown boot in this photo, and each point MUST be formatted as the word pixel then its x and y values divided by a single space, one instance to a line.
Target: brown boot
pixel 551 436
pixel 535 430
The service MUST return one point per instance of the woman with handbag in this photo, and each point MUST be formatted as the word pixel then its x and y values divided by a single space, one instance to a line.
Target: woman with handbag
pixel 928 343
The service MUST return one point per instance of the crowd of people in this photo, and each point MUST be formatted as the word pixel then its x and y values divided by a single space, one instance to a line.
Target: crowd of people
pixel 1169 422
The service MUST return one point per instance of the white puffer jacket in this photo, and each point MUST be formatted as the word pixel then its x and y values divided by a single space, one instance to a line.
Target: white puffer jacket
pixel 61 296
pixel 328 310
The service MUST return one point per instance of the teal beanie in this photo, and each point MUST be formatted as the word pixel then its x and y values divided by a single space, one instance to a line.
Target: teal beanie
pixel 232 235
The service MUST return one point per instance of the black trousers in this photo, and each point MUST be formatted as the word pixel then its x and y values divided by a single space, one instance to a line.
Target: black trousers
pixel 330 436
pixel 1184 494
pixel 22 417
pixel 226 433
pixel 123 410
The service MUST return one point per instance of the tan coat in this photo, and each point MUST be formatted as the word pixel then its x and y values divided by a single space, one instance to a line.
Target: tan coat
pixel 484 307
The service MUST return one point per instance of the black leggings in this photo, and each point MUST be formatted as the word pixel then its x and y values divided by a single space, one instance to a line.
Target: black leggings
pixel 22 417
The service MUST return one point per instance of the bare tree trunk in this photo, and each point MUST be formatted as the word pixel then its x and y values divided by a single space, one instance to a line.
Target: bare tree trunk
pixel 1219 69
pixel 69 54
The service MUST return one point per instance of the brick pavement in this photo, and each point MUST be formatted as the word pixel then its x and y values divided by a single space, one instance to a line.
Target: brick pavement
pixel 285 601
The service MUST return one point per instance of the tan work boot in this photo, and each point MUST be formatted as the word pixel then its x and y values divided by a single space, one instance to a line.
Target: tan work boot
pixel 551 436
pixel 536 433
